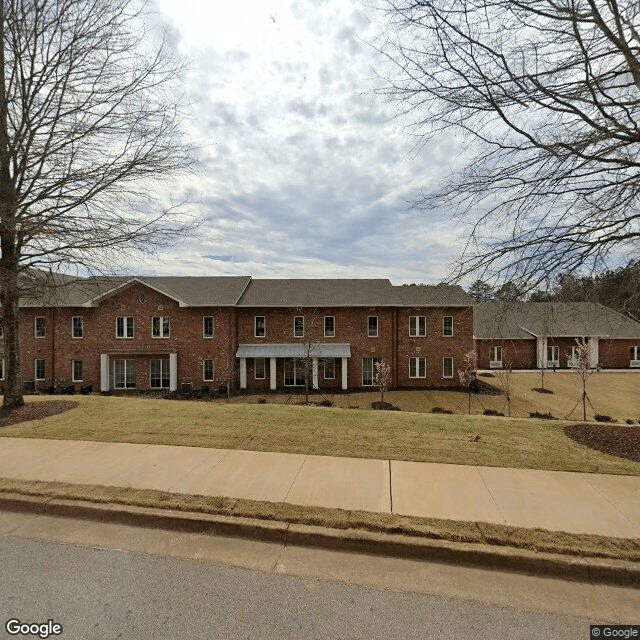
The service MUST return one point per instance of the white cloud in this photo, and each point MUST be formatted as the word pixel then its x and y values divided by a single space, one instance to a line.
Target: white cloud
pixel 305 171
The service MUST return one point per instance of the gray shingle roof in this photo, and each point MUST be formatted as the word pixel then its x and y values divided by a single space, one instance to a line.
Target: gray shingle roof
pixel 522 320
pixel 320 293
pixel 422 295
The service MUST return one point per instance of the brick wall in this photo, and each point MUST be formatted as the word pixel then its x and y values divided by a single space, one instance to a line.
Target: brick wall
pixel 614 354
pixel 517 354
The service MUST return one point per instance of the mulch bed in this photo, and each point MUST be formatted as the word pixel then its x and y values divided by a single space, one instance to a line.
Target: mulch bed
pixel 36 411
pixel 623 442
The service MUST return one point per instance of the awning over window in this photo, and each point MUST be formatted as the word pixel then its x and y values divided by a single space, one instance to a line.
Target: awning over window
pixel 297 350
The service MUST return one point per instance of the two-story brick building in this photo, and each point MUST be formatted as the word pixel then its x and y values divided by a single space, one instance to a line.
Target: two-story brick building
pixel 161 332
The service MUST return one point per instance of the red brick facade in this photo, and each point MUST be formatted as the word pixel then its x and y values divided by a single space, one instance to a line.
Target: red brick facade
pixel 234 326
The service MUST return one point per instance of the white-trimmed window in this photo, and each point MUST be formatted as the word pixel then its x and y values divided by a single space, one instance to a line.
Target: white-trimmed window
pixel 447 326
pixel 39 369
pixel 77 370
pixel 496 357
pixel 634 356
pixel 553 356
pixel 418 367
pixel 159 373
pixel 77 327
pixel 39 326
pixel 372 326
pixel 417 326
pixel 2 369
pixel 1 328
pixel 259 368
pixel 294 372
pixel 208 327
pixel 124 327
pixel 124 373
pixel 207 370
pixel 329 326
pixel 160 327
pixel 369 371
pixel 329 368
pixel 298 326
pixel 260 330
pixel 447 367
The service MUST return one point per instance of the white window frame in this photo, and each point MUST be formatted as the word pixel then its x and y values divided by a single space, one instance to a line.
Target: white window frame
pixel 164 327
pixel 369 363
pixel 1 328
pixel 444 327
pixel 73 371
pixel 298 323
pixel 553 362
pixel 331 333
pixel 418 326
pixel 36 331
pixel 264 327
pixel 294 369
pixel 264 369
pixel 164 375
pixel 35 369
pixel 212 376
pixel 444 367
pixel 206 334
pixel 127 322
pixel 2 369
pixel 369 334
pixel 129 365
pixel 495 362
pixel 634 357
pixel 418 367
pixel 73 327
pixel 332 371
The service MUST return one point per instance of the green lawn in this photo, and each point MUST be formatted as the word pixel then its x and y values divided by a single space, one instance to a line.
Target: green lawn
pixel 504 442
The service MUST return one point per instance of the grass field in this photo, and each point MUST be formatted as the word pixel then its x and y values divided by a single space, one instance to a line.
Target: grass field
pixel 611 393
pixel 534 444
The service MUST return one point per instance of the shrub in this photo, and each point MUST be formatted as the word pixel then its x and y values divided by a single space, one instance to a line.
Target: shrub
pixel 629 420
pixel 326 403
pixel 262 401
pixel 440 410
pixel 602 418
pixel 492 412
pixel 542 416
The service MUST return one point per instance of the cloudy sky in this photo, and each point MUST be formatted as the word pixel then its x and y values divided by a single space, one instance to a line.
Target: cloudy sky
pixel 305 172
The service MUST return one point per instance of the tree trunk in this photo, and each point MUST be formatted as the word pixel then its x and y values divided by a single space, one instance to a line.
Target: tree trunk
pixel 13 383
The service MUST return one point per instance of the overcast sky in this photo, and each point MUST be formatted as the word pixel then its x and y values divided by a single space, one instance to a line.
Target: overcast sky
pixel 304 171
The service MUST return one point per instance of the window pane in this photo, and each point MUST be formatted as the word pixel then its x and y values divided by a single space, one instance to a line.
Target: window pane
pixel 78 326
pixel 155 326
pixel 448 326
pixel 329 326
pixel 208 327
pixel 447 368
pixel 78 370
pixel 329 368
pixel 259 368
pixel 165 327
pixel 260 327
pixel 298 326
pixel 367 372
pixel 129 327
pixel 373 326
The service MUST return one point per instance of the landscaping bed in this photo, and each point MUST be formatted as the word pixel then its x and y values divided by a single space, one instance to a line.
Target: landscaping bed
pixel 36 411
pixel 619 441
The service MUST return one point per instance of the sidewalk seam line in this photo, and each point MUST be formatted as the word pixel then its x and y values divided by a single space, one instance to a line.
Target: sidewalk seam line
pixel 486 486
pixel 606 498
pixel 286 495
pixel 390 489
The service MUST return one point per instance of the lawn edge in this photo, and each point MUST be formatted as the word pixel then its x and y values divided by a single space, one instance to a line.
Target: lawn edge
pixel 68 501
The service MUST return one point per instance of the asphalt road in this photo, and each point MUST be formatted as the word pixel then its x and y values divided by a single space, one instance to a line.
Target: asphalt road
pixel 97 593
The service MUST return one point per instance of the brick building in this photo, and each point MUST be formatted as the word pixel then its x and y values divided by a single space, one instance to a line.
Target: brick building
pixel 532 335
pixel 162 332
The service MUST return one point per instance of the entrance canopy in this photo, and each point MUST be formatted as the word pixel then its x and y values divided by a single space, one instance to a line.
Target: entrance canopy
pixel 296 350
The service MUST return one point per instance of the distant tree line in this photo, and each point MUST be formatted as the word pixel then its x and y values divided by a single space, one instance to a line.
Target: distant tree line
pixel 618 289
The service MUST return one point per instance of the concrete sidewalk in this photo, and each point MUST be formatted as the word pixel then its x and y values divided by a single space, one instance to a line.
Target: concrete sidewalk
pixel 553 500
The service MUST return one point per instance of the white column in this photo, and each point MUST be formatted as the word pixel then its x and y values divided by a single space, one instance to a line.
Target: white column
pixel 541 351
pixel 314 369
pixel 272 373
pixel 243 373
pixel 104 372
pixel 173 372
pixel 344 373
pixel 594 354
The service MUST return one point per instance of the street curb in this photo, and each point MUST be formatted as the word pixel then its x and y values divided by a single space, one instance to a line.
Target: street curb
pixel 552 565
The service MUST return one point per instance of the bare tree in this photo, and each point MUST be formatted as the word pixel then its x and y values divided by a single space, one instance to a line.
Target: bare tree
pixel 469 372
pixel 382 377
pixel 545 98
pixel 579 363
pixel 88 125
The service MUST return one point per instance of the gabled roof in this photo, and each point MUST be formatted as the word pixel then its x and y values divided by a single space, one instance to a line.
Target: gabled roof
pixel 320 293
pixel 439 295
pixel 187 291
pixel 527 320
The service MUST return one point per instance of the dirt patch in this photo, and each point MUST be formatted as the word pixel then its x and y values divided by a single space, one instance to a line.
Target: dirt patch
pixel 36 411
pixel 623 442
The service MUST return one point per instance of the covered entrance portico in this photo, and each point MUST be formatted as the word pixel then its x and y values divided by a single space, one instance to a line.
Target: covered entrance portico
pixel 118 370
pixel 311 354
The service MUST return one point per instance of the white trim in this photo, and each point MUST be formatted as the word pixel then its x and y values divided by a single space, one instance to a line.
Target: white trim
pixel 162 377
pixel 417 367
pixel 126 327
pixel 35 369
pixel 264 369
pixel 213 327
pixel 161 320
pixel 93 302
pixel 295 334
pixel 82 327
pixel 73 371
pixel 324 368
pixel 417 333
pixel 444 333
pixel 44 327
pixel 369 335
pixel 333 333
pixel 452 368
pixel 213 371
pixel 255 327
